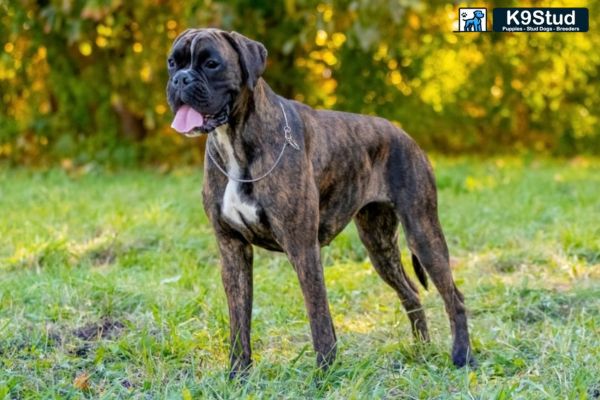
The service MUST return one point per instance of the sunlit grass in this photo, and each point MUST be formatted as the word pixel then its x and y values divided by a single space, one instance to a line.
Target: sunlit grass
pixel 115 275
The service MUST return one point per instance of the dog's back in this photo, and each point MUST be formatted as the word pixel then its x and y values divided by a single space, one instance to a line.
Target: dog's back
pixel 383 162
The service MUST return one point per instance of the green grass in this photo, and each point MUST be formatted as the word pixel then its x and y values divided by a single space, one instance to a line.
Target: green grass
pixel 114 277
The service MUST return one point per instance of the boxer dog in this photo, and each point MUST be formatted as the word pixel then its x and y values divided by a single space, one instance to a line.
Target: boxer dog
pixel 283 176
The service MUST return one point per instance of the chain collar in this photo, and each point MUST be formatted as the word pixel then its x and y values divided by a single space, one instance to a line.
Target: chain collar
pixel 289 140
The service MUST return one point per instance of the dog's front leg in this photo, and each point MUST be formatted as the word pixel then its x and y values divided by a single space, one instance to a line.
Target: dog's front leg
pixel 307 263
pixel 236 259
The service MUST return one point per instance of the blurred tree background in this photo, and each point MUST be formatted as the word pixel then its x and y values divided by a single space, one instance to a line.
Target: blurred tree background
pixel 83 82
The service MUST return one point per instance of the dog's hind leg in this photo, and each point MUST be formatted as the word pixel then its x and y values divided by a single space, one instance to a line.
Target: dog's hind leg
pixel 377 225
pixel 426 241
pixel 417 206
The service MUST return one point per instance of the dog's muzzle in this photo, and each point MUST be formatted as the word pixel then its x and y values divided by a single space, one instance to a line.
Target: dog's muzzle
pixel 192 123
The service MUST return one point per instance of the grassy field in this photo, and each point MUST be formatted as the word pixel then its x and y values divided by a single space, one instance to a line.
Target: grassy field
pixel 110 288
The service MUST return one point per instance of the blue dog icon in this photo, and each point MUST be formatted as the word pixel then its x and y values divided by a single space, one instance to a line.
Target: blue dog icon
pixel 474 24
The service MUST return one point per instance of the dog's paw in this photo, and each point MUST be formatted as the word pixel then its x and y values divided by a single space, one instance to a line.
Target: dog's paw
pixel 240 376
pixel 240 371
pixel 462 357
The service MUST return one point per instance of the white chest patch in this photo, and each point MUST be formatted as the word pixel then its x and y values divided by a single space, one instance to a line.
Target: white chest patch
pixel 234 208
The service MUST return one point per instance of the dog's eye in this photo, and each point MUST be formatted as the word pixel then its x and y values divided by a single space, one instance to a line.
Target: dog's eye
pixel 171 63
pixel 211 64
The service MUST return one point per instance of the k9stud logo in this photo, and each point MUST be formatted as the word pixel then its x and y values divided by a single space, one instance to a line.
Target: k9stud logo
pixel 472 19
pixel 521 19
pixel 541 19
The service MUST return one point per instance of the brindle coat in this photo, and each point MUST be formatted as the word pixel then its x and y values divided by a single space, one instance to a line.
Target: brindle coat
pixel 349 167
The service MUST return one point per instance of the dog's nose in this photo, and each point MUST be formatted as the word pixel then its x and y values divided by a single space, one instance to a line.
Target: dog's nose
pixel 182 78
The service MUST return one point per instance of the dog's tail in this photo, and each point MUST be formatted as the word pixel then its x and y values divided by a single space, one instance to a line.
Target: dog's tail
pixel 419 271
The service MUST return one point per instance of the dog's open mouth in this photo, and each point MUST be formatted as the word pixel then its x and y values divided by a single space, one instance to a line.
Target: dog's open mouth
pixel 191 123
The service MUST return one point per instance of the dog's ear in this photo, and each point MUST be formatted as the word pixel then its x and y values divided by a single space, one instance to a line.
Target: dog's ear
pixel 252 55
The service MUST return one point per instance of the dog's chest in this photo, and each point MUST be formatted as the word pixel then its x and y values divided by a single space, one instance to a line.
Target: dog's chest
pixel 240 212
pixel 236 208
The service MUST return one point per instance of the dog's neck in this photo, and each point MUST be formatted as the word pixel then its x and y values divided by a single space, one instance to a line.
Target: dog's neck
pixel 250 102
pixel 243 137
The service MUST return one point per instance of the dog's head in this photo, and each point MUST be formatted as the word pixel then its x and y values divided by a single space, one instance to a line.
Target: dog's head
pixel 478 14
pixel 208 70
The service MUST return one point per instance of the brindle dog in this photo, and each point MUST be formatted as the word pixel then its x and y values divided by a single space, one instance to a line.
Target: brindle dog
pixel 285 177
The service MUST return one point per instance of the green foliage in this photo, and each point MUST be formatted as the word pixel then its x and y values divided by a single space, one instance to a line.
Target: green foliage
pixel 110 288
pixel 83 81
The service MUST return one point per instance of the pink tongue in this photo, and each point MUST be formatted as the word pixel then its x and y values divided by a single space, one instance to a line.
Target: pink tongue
pixel 187 119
